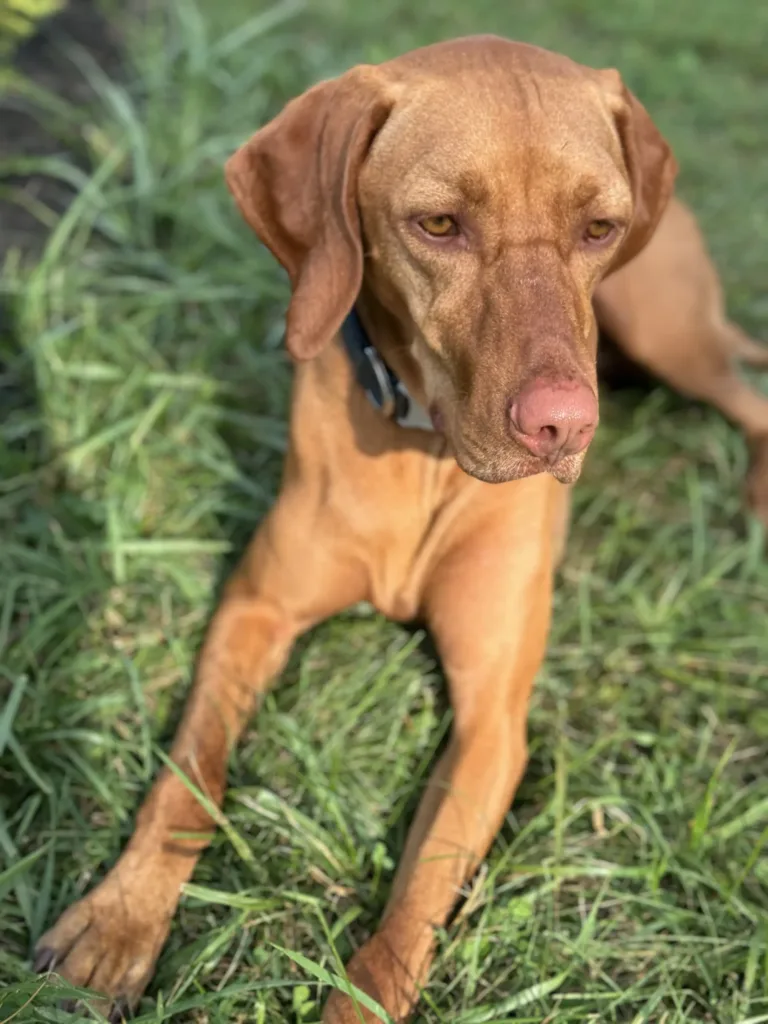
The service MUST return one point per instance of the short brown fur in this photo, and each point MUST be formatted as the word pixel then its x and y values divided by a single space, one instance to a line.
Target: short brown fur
pixel 461 528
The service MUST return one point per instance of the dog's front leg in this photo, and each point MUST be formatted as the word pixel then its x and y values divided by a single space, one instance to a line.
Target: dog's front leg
pixel 488 605
pixel 291 577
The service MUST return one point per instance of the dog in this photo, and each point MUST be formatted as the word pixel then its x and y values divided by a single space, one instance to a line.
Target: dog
pixel 456 224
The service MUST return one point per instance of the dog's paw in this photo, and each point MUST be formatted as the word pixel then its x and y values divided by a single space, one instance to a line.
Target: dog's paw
pixel 108 942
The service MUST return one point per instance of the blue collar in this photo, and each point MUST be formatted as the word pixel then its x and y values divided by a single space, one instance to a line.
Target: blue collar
pixel 384 389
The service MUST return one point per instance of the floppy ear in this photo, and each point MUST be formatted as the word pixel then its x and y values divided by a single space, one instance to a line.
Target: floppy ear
pixel 652 167
pixel 295 183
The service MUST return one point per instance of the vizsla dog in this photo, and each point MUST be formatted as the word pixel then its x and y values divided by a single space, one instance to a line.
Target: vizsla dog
pixel 446 220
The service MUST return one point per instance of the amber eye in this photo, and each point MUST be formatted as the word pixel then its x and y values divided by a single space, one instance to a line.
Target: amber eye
pixel 439 227
pixel 599 230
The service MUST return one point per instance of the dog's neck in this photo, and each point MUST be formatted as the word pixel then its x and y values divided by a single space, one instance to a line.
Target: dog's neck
pixel 382 364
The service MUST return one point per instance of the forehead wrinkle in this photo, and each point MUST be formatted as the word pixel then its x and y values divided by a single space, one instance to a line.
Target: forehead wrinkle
pixel 495 159
pixel 604 187
pixel 422 187
pixel 595 194
pixel 585 192
pixel 436 181
pixel 473 187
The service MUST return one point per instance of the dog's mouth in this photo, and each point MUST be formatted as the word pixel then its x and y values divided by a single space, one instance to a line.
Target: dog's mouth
pixel 503 461
pixel 567 470
pixel 508 466
pixel 497 463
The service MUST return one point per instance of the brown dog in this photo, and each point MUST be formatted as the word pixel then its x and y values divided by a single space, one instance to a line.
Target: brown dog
pixel 467 199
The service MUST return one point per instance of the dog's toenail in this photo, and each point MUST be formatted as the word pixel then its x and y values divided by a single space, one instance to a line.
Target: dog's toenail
pixel 45 960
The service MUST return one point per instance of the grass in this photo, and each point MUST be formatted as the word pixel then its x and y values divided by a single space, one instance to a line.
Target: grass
pixel 18 19
pixel 143 394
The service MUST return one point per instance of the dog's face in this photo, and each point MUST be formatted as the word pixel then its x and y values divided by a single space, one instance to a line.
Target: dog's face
pixel 492 204
pixel 490 187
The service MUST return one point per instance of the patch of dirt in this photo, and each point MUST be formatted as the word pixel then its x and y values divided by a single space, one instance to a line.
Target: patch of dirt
pixel 43 60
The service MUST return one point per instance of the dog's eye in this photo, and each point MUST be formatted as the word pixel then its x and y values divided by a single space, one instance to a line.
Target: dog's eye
pixel 439 227
pixel 599 230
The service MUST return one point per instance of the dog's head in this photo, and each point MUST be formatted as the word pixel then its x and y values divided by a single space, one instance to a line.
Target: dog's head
pixel 478 190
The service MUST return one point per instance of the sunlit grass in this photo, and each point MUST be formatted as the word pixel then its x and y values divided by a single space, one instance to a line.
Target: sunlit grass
pixel 143 389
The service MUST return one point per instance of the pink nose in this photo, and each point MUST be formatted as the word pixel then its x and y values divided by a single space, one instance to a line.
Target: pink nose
pixel 554 418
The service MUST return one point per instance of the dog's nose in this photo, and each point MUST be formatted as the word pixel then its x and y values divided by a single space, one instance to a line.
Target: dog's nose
pixel 554 418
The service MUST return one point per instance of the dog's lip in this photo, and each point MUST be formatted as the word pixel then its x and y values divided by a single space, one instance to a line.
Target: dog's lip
pixel 560 461
pixel 566 468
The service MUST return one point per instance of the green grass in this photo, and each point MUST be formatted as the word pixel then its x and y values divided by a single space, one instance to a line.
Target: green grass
pixel 147 388
pixel 19 18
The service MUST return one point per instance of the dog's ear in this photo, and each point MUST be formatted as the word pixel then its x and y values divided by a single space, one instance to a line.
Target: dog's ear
pixel 295 182
pixel 650 163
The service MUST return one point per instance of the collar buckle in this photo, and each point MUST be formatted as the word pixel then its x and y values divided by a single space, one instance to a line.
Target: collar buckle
pixel 379 389
pixel 383 389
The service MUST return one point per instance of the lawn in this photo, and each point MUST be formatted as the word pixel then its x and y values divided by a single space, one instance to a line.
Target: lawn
pixel 146 385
